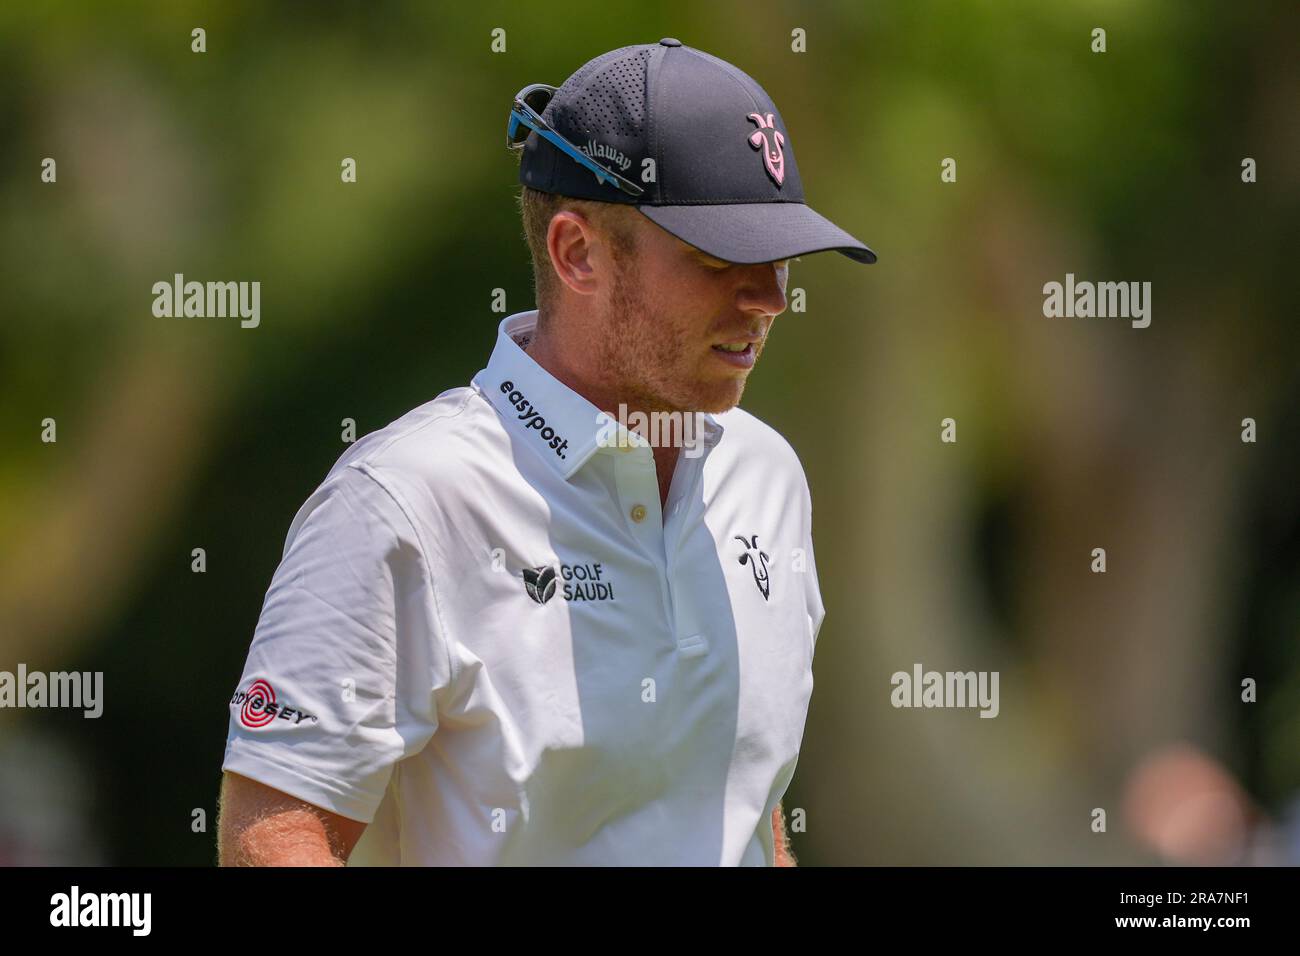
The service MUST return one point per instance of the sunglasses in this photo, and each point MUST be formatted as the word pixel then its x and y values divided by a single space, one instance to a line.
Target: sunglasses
pixel 526 116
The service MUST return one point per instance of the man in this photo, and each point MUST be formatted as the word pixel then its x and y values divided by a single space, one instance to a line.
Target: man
pixel 508 629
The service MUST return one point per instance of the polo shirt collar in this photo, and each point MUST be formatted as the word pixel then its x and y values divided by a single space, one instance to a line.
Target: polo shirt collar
pixel 548 416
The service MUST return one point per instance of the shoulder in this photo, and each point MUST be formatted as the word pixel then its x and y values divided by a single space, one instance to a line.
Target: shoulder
pixel 442 442
pixel 748 441
pixel 430 458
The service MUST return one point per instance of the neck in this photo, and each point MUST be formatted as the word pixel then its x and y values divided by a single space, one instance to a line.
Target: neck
pixel 557 357
pixel 569 362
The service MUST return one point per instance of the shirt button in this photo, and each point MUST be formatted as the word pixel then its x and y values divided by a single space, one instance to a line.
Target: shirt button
pixel 638 513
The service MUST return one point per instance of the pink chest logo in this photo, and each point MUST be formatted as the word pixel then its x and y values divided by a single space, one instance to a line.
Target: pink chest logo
pixel 769 139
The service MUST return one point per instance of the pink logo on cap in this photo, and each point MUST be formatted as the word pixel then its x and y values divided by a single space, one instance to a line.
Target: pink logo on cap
pixel 773 157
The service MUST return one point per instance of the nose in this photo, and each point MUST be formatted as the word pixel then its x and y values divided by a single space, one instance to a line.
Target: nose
pixel 763 289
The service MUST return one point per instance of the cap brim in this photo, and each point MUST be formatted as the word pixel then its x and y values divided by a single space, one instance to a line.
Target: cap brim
pixel 757 232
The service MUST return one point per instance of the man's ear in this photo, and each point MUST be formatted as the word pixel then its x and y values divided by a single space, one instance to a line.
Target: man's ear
pixel 570 242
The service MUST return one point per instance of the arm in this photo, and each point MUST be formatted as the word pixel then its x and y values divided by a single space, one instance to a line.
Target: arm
pixel 261 826
pixel 783 855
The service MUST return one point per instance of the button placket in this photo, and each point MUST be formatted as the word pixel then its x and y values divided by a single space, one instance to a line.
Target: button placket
pixel 638 498
pixel 638 493
pixel 685 621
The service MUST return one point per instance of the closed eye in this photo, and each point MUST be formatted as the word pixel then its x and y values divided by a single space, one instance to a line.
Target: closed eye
pixel 721 265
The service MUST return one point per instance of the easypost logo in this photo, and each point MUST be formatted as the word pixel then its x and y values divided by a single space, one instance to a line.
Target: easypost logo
pixel 533 419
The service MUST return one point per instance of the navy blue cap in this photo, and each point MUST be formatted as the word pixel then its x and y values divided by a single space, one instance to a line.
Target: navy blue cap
pixel 702 138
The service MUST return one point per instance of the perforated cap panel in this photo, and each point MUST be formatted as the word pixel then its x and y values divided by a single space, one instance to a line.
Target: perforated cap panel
pixel 607 96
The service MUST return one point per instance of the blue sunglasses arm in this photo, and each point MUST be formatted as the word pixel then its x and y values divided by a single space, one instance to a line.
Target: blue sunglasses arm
pixel 602 175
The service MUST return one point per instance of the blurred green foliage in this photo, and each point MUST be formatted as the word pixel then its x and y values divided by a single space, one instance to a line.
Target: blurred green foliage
pixel 176 434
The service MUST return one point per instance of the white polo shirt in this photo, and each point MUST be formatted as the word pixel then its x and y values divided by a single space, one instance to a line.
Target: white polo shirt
pixel 486 641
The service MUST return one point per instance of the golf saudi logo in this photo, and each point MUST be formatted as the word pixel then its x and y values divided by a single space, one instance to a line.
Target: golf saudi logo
pixel 576 582
pixel 540 583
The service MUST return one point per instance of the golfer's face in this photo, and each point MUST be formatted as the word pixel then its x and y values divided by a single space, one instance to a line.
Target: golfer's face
pixel 710 319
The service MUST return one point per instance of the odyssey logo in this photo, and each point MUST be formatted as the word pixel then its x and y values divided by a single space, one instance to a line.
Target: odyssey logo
pixel 258 707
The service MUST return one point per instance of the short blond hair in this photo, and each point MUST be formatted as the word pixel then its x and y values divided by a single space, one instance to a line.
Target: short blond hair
pixel 537 209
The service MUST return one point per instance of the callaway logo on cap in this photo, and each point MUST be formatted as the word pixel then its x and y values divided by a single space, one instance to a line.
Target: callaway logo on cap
pixel 690 140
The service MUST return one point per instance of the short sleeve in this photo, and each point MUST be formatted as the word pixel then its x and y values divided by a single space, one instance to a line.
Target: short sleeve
pixel 812 596
pixel 347 656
